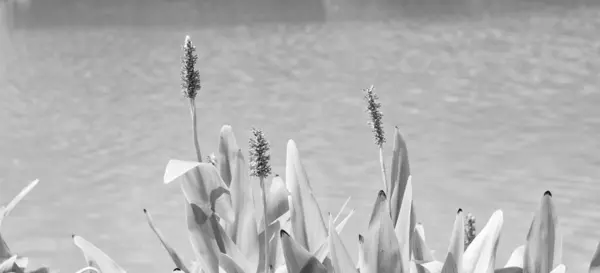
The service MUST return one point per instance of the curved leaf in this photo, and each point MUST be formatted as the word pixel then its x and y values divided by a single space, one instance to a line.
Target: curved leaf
pixel 297 259
pixel 381 250
pixel 95 257
pixel 541 248
pixel 201 184
pixel 308 226
pixel 6 210
pixel 480 255
pixel 174 256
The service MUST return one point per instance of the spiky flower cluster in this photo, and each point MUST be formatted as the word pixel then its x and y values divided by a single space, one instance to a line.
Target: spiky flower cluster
pixel 190 76
pixel 373 108
pixel 259 154
pixel 470 231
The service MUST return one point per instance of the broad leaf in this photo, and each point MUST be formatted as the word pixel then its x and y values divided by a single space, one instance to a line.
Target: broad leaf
pixel 308 226
pixel 245 230
pixel 480 255
pixel 381 250
pixel 542 250
pixel 457 240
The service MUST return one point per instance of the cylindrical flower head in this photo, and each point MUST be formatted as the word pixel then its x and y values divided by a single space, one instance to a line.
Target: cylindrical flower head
pixel 259 154
pixel 190 76
pixel 373 108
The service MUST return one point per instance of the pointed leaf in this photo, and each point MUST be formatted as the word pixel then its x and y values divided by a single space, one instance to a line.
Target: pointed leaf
pixel 95 257
pixel 381 247
pixel 6 210
pixel 228 149
pixel 360 263
pixel 340 258
pixel 399 175
pixel 245 230
pixel 403 227
pixel 561 268
pixel 457 240
pixel 516 258
pixel 202 185
pixel 307 221
pixel 174 256
pixel 421 251
pixel 480 255
pixel 432 267
pixel 541 246
pixel 337 216
pixel 449 264
pixel 297 259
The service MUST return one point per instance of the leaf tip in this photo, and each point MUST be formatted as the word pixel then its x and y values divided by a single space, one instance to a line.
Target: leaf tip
pixel 459 210
pixel 381 194
pixel 361 239
pixel 283 233
pixel 548 193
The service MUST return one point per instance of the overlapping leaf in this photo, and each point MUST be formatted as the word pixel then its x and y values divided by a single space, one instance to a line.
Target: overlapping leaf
pixel 381 249
pixel 308 226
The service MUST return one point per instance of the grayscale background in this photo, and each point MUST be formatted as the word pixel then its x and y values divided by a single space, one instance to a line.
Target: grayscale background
pixel 498 101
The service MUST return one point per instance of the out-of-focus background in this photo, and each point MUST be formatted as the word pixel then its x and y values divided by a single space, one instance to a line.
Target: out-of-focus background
pixel 497 99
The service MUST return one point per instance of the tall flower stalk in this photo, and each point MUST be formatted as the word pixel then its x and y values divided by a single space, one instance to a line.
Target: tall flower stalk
pixel 375 115
pixel 190 85
pixel 261 168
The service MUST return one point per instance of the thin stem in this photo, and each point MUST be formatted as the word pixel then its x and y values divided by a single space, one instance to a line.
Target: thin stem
pixel 266 239
pixel 195 128
pixel 383 172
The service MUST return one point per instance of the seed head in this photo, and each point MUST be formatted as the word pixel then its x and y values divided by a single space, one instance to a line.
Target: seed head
pixel 190 76
pixel 373 108
pixel 470 231
pixel 259 154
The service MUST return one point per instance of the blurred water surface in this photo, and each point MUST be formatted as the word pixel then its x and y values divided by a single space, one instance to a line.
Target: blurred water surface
pixel 495 112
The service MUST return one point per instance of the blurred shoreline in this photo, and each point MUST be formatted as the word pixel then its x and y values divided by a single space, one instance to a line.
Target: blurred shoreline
pixel 165 13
